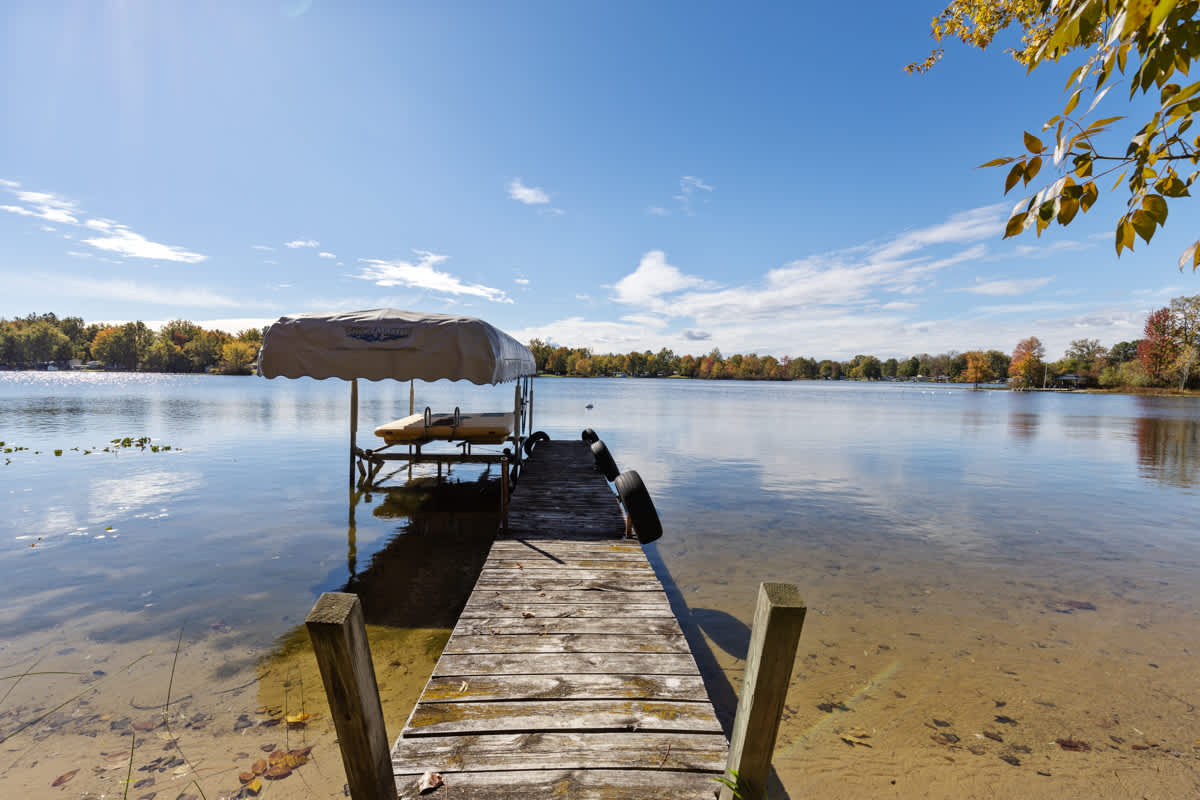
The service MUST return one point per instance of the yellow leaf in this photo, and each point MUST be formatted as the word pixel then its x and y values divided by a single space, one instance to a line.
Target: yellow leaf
pixel 1016 224
pixel 1143 224
pixel 297 719
pixel 1031 169
pixel 1015 174
pixel 1033 144
pixel 1156 207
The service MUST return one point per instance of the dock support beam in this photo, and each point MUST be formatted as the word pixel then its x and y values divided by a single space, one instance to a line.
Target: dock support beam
pixel 504 493
pixel 778 619
pixel 339 638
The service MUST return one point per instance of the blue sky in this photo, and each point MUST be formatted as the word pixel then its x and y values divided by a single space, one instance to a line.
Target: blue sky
pixel 619 175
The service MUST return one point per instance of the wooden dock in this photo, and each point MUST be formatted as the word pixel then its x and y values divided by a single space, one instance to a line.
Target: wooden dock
pixel 567 674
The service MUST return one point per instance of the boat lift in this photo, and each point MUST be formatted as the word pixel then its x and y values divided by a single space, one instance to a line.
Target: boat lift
pixel 385 343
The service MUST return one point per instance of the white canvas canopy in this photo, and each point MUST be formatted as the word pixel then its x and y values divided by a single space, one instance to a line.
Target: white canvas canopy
pixel 386 343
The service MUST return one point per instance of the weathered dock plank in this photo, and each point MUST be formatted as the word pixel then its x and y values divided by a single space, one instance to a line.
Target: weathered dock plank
pixel 567 687
pixel 567 674
pixel 577 784
pixel 526 751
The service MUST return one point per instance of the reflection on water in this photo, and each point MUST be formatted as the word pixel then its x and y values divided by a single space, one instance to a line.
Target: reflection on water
pixel 1169 450
pixel 424 574
pixel 1023 425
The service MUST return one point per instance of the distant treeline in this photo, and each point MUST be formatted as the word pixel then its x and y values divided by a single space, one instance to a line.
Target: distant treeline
pixel 1164 358
pixel 39 340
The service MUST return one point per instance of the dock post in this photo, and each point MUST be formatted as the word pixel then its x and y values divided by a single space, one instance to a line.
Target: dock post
pixel 353 426
pixel 339 638
pixel 778 619
pixel 504 493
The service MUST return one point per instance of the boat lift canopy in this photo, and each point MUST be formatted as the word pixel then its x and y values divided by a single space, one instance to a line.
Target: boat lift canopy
pixel 402 345
pixel 385 343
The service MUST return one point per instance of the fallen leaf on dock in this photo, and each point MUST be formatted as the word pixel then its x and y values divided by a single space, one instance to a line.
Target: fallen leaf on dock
pixel 277 772
pixel 66 776
pixel 254 786
pixel 1073 745
pixel 297 720
pixel 429 781
pixel 527 614
pixel 246 777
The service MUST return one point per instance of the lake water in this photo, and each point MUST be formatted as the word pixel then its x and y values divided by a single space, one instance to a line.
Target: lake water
pixel 986 573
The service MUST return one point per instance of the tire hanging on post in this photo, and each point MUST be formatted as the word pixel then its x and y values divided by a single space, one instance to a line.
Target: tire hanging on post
pixel 638 505
pixel 604 461
pixel 589 436
pixel 534 438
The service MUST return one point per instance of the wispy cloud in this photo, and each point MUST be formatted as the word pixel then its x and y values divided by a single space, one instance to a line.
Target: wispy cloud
pixel 658 211
pixel 264 247
pixel 529 195
pixel 329 256
pixel 689 185
pixel 43 205
pixel 118 238
pixel 115 238
pixel 424 275
pixel 521 281
pixel 295 243
pixel 696 336
pixel 1006 287
pixel 7 184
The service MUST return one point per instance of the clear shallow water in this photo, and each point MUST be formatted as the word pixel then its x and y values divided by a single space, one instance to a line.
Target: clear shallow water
pixel 906 513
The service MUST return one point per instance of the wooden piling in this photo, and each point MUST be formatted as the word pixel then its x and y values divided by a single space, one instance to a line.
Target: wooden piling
pixel 339 638
pixel 353 426
pixel 778 619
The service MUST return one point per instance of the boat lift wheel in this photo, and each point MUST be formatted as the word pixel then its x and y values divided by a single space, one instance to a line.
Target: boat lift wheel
pixel 638 506
pixel 604 461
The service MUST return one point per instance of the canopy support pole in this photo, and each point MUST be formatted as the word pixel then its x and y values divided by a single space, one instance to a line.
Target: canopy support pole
pixel 353 425
pixel 530 380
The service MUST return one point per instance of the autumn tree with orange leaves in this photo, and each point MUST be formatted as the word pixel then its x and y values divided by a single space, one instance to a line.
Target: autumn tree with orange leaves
pixel 978 369
pixel 1027 367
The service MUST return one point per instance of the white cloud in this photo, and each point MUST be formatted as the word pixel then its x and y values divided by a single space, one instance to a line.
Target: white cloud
pixel 48 206
pixel 658 211
pixel 529 195
pixel 424 275
pixel 302 243
pixel 899 306
pixel 120 239
pixel 330 256
pixel 1006 287
pixel 690 183
pixel 9 184
pixel 521 281
pixel 263 247
pixel 49 228
pixel 966 226
pixel 653 278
